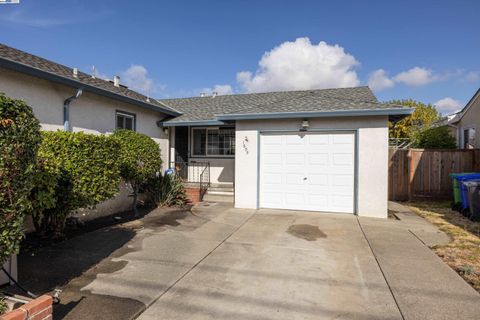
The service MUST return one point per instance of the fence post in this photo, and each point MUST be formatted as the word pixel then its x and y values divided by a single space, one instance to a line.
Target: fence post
pixel 411 173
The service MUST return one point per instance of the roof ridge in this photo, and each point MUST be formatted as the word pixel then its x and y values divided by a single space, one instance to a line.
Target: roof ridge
pixel 262 93
pixel 333 98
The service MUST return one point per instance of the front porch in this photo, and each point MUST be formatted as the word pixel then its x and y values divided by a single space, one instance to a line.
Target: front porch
pixel 204 157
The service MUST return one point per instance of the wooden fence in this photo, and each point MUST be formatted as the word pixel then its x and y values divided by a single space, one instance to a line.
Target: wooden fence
pixel 425 173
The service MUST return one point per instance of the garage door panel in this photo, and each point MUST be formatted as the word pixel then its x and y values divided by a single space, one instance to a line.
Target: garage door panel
pixel 318 180
pixel 318 139
pixel 295 179
pixel 311 171
pixel 342 181
pixel 292 198
pixel 342 159
pixel 343 139
pixel 318 159
pixel 295 158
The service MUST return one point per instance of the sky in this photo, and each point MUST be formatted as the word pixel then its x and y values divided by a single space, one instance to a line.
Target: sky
pixel 425 50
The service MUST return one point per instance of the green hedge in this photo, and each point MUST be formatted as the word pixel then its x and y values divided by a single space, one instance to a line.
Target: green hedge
pixel 74 170
pixel 19 139
pixel 436 138
pixel 139 159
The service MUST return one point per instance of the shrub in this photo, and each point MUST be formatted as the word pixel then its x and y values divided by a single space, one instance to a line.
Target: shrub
pixel 139 160
pixel 3 305
pixel 167 190
pixel 74 170
pixel 19 139
pixel 436 138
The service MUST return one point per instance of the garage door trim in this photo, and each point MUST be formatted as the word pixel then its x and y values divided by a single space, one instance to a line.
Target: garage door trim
pixel 355 150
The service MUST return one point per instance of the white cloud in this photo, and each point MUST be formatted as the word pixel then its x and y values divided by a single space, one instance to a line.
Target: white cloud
pixel 448 105
pixel 220 89
pixel 416 77
pixel 472 76
pixel 136 78
pixel 378 80
pixel 301 65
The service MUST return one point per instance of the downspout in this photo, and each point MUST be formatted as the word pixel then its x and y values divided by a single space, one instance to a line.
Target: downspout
pixel 66 109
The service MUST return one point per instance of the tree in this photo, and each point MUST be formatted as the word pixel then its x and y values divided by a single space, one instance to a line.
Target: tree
pixel 410 127
pixel 19 141
pixel 139 160
pixel 436 138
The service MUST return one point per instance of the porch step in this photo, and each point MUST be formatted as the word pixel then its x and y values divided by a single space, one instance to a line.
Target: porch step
pixel 220 192
pixel 221 189
pixel 217 198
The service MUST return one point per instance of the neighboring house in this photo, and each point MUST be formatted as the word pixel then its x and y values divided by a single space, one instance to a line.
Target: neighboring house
pixel 465 125
pixel 101 105
pixel 320 150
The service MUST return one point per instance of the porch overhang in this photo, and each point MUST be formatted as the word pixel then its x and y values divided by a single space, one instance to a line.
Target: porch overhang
pixel 192 123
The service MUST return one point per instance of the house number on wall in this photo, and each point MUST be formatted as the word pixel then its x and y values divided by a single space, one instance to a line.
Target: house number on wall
pixel 245 142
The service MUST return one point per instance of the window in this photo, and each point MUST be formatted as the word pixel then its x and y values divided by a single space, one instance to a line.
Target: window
pixel 469 138
pixel 125 120
pixel 213 142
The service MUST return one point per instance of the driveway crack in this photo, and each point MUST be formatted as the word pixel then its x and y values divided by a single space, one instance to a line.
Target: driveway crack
pixel 381 270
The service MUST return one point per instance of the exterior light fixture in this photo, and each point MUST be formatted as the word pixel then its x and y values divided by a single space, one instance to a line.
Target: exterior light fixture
pixel 305 125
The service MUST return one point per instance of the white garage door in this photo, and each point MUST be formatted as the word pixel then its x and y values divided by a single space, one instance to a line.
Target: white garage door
pixel 308 171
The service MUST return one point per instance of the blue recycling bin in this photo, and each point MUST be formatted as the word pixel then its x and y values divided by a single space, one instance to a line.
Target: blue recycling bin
pixel 464 189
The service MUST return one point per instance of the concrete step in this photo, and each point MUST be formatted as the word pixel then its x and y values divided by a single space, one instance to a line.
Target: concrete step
pixel 220 192
pixel 218 198
pixel 222 189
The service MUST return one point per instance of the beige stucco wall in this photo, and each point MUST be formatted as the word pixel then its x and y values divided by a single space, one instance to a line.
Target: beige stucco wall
pixel 471 119
pixel 90 113
pixel 372 156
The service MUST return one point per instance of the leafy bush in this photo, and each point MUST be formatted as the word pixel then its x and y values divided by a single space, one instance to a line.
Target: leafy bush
pixel 74 170
pixel 167 190
pixel 436 138
pixel 3 305
pixel 139 160
pixel 19 140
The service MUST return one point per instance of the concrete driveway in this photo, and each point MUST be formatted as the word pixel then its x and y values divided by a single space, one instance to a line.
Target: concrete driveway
pixel 223 263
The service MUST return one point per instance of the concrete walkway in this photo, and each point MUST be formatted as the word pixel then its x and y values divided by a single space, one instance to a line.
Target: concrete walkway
pixel 219 262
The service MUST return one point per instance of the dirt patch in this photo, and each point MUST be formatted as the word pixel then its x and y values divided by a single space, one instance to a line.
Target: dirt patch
pixel 306 232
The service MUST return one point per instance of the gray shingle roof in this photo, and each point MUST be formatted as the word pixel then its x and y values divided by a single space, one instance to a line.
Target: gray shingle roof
pixel 26 62
pixel 324 100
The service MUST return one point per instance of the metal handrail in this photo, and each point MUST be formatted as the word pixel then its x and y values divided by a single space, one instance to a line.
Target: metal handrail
pixel 194 172
pixel 204 180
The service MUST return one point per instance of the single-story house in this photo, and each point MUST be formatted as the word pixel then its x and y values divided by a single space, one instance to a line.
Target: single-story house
pixel 320 150
pixel 464 124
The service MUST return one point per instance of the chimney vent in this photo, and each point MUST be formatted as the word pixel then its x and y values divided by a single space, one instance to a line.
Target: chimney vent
pixel 116 81
pixel 75 72
pixel 214 94
pixel 202 94
pixel 93 72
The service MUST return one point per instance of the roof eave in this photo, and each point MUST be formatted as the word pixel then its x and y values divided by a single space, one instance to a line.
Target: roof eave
pixel 16 66
pixel 192 123
pixel 317 114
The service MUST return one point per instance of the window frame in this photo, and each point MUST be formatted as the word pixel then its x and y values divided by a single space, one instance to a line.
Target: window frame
pixel 463 141
pixel 126 114
pixel 206 155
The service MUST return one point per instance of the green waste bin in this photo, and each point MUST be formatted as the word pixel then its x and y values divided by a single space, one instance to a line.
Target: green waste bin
pixel 457 195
